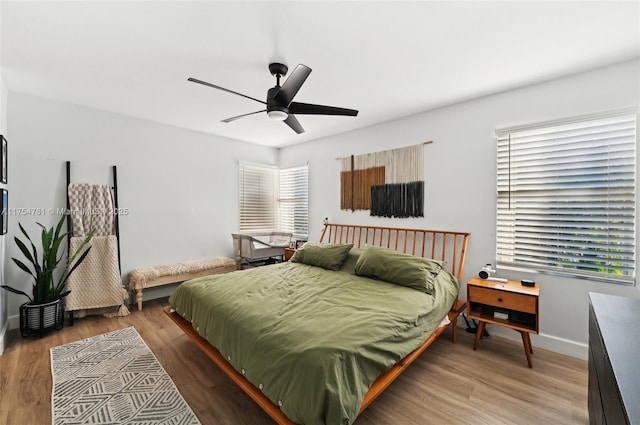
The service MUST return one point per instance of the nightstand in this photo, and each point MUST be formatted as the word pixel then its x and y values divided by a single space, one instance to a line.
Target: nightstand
pixel 509 304
pixel 288 253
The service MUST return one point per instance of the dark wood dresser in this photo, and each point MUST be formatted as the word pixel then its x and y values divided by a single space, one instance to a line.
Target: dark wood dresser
pixel 614 360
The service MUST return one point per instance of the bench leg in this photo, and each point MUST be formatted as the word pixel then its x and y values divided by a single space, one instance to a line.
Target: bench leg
pixel 139 298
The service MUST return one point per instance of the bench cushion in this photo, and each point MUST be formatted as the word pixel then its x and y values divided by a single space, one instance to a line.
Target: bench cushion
pixel 146 277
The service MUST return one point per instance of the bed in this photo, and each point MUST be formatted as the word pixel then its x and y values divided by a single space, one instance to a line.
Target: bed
pixel 333 327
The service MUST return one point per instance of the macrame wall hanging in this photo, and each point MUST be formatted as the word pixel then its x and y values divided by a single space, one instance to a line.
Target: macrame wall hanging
pixel 388 183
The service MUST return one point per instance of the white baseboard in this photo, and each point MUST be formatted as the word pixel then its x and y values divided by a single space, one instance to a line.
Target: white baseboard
pixel 14 322
pixel 4 336
pixel 556 344
pixel 548 342
pixel 571 348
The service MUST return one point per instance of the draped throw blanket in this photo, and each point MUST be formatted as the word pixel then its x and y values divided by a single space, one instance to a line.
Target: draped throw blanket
pixel 388 183
pixel 96 286
pixel 91 208
pixel 96 282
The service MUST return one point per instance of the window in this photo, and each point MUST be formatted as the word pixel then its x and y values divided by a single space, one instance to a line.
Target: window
pixel 274 199
pixel 258 189
pixel 566 197
pixel 293 200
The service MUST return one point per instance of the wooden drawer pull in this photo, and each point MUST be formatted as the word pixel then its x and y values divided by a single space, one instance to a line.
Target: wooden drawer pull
pixel 499 300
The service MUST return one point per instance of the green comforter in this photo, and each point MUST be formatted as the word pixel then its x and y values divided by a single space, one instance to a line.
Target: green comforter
pixel 312 340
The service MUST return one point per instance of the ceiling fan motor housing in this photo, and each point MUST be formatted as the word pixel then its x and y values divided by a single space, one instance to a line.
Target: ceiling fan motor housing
pixel 276 110
pixel 278 69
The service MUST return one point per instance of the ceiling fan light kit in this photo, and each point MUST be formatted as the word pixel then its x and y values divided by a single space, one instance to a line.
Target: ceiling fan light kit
pixel 278 115
pixel 280 105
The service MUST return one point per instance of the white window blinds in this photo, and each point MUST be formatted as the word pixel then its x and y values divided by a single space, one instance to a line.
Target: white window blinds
pixel 566 198
pixel 258 190
pixel 293 200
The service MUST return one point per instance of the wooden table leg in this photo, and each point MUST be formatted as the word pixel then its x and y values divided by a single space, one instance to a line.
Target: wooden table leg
pixel 529 342
pixel 479 333
pixel 527 346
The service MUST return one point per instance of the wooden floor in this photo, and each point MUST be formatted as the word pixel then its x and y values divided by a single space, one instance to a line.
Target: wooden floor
pixel 448 384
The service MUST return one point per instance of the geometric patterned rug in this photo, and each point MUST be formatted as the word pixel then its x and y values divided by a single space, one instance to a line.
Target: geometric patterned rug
pixel 114 378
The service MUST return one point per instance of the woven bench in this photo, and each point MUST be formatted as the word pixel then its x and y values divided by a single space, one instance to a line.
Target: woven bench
pixel 149 277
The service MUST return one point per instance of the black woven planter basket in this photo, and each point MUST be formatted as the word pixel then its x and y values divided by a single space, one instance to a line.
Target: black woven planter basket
pixel 41 317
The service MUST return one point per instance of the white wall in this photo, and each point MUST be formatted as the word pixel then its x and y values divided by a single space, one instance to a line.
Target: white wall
pixel 4 334
pixel 180 186
pixel 460 179
pixel 4 322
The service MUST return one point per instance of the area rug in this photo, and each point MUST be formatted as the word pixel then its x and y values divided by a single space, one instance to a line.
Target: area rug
pixel 114 378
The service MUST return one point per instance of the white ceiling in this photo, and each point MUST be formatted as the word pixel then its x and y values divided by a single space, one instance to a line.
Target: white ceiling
pixel 386 59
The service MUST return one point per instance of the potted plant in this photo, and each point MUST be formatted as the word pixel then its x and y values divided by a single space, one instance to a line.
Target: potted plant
pixel 45 308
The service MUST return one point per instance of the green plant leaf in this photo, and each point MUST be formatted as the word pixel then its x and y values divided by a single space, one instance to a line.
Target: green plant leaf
pixel 44 288
pixel 23 267
pixel 59 226
pixel 56 246
pixel 24 232
pixel 33 248
pixel 15 291
pixel 72 261
pixel 46 247
pixel 56 240
pixel 80 248
pixel 23 248
pixel 66 274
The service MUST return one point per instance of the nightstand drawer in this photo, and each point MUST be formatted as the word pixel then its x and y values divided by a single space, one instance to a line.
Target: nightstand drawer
pixel 502 299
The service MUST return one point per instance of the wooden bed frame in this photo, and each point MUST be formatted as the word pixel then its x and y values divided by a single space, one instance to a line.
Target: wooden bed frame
pixel 437 244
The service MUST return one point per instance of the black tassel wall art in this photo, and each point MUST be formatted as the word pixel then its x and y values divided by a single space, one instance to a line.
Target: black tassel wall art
pixel 388 183
pixel 398 200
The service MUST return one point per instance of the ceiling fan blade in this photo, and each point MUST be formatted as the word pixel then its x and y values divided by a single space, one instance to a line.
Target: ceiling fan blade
pixel 311 109
pixel 285 95
pixel 242 116
pixel 293 122
pixel 204 83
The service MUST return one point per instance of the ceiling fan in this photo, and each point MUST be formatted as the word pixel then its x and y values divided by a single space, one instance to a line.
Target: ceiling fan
pixel 279 104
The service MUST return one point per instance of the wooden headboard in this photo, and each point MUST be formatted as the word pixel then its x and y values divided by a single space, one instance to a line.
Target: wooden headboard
pixel 450 247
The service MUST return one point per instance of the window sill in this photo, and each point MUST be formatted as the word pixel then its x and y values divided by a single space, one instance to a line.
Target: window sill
pixel 567 274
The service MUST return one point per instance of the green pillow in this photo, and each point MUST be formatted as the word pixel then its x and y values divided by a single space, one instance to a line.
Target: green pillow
pixel 327 256
pixel 349 263
pixel 398 268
